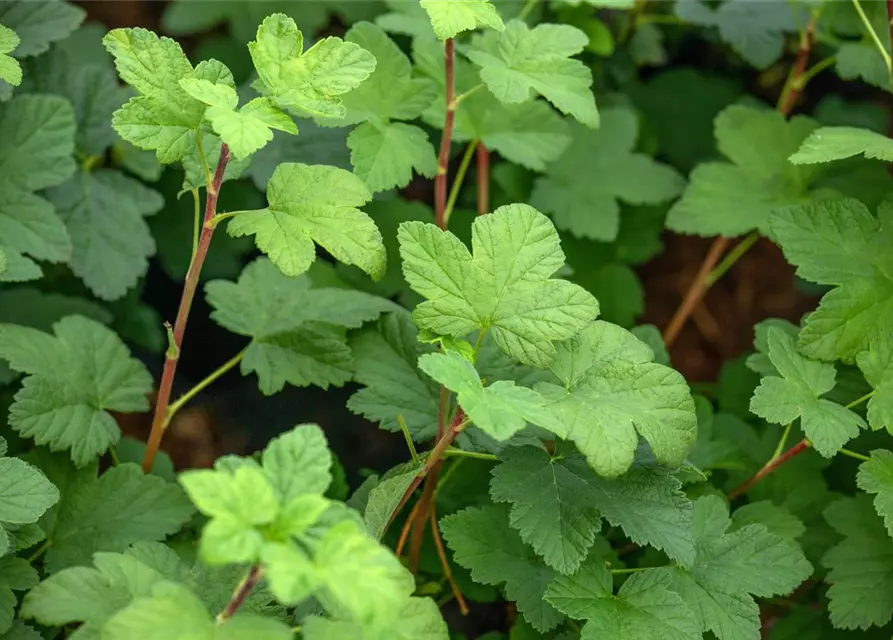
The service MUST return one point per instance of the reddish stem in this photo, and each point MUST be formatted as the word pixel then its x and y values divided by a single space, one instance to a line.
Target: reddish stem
pixel 483 178
pixel 696 291
pixel 240 594
pixel 159 420
pixel 443 158
pixel 768 468
pixel 794 85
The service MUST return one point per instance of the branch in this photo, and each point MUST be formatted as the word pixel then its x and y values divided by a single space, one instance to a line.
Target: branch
pixel 768 468
pixel 240 594
pixel 160 419
pixel 793 87
pixel 443 158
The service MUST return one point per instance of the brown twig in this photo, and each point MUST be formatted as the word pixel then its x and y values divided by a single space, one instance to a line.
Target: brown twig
pixel 443 158
pixel 793 87
pixel 768 468
pixel 483 177
pixel 240 594
pixel 445 563
pixel 160 418
pixel 404 532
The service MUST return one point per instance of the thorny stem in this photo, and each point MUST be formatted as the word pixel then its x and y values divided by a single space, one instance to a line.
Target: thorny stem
pixel 705 276
pixel 457 182
pixel 443 158
pixel 483 179
pixel 159 420
pixel 204 384
pixel 768 468
pixel 240 594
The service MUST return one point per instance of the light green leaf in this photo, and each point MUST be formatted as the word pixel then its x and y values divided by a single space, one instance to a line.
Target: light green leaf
pixel 645 608
pixel 449 18
pixel 500 409
pixel 103 211
pixel 386 363
pixel 10 69
pixel 73 380
pixel 732 198
pixel 420 619
pixel 309 81
pixel 521 62
pixel 877 367
pixel 483 542
pixel 108 513
pixel 795 393
pixel 838 242
pixel 40 24
pixel 827 144
pixel 504 286
pixel 876 477
pixel 385 157
pixel 36 148
pixel 591 208
pixel 310 204
pixel 298 463
pixel 296 330
pixel 611 392
pixel 733 567
pixel 558 503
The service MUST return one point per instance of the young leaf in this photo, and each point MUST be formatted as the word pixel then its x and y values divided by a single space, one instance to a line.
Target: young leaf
pixel 645 608
pixel 420 619
pixel 591 208
pixel 860 567
pixel 308 204
pixel 449 18
pixel 311 81
pixel 386 363
pixel 732 198
pixel 557 504
pixel 298 463
pixel 500 409
pixel 732 567
pixel 103 211
pixel 877 367
pixel 827 144
pixel 755 32
pixel 384 153
pixel 521 62
pixel 611 392
pixel 795 393
pixel 10 69
pixel 108 513
pixel 838 242
pixel 73 380
pixel 483 543
pixel 504 287
pixel 36 148
pixel 295 329
pixel 40 24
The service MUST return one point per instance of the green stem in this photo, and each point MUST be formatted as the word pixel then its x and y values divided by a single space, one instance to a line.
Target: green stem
pixel 638 569
pixel 781 443
pixel 220 217
pixel 406 436
pixel 196 219
pixel 465 94
pixel 816 69
pixel 203 160
pixel 874 36
pixel 204 384
pixel 853 454
pixel 453 452
pixel 658 18
pixel 526 9
pixel 457 181
pixel 479 343
pixel 731 258
pixel 442 481
pixel 113 454
pixel 859 401
pixel 40 550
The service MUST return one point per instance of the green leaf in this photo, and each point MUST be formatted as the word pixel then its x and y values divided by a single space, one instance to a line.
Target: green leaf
pixel 25 492
pixel 40 24
pixel 778 520
pixel 108 513
pixel 735 197
pixel 384 498
pixel 483 542
pixel 521 62
pixel 860 567
pixel 10 69
pixel 16 574
pixel 164 118
pixel 386 357
pixel 756 32
pixel 557 504
pixel 876 477
pixel 733 567
pixel 645 608
pixel 310 204
pixel 385 153
pixel 796 392
pixel 877 367
pixel 420 619
pixel 500 409
pixel 827 144
pixel 449 18
pixel 298 463
pixel 311 81
pixel 504 287
pixel 838 242
pixel 611 392
pixel 296 331
pixel 36 148
pixel 103 211
pixel 591 208
pixel 73 380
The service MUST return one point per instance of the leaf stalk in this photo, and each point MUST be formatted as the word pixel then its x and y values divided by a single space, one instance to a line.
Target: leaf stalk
pixel 240 594
pixel 443 158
